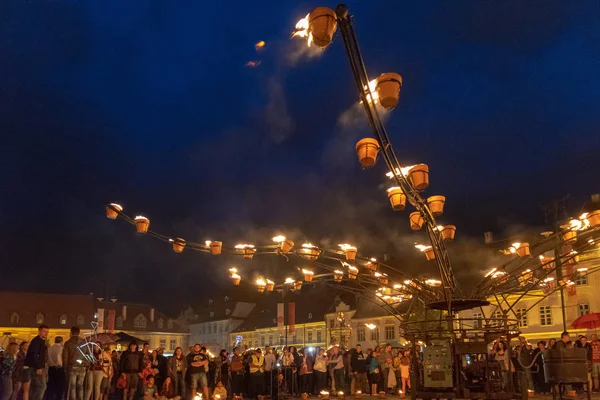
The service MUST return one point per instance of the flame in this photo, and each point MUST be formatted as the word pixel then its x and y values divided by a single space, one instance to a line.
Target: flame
pixel 352 268
pixel 398 286
pixel 253 64
pixel 261 282
pixel 575 224
pixel 433 282
pixel 371 326
pixel 323 392
pixel 260 45
pixel 338 272
pixel 140 218
pixel 198 396
pixel 289 281
pixel 115 205
pixel 347 247
pixel 307 272
pixel 279 239
pixel 422 247
pixel 549 279
pixel 372 88
pixel 491 272
pixel 581 269
pixel 309 246
pixel 402 171
pixel 394 188
pixel 244 246
pixel 235 276
pixel 569 283
pixel 377 274
pixel 302 30
pixel 270 282
pixel 233 270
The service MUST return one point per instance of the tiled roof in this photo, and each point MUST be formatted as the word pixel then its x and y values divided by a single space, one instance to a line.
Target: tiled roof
pixel 27 306
pixel 135 310
pixel 366 309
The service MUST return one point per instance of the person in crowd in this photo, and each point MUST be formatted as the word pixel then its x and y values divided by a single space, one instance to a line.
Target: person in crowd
pixel 177 369
pixel 320 369
pixel 98 372
pixel 525 358
pixel 35 362
pixel 114 357
pixel 167 391
pixel 359 368
pixel 396 365
pixel 21 376
pixel 368 362
pixel 384 366
pixel 564 342
pixel 237 372
pixel 131 365
pixel 539 379
pixel 501 355
pixel 336 367
pixel 154 364
pixel 146 353
pixel 147 371
pixel 270 361
pixel 309 364
pixel 257 379
pixel 295 371
pixel 287 360
pixel 8 367
pixel 595 345
pixel 405 371
pixel 198 367
pixel 108 369
pixel 374 372
pixel 150 390
pixel 220 391
pixel 301 368
pixel 74 364
pixel 56 372
pixel 163 366
pixel 551 343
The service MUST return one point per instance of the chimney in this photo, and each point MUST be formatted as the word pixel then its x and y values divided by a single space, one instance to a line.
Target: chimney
pixel 152 315
pixel 124 312
pixel 386 257
pixel 596 198
pixel 489 237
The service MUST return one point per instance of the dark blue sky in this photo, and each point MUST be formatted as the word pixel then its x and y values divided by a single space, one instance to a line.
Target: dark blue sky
pixel 150 104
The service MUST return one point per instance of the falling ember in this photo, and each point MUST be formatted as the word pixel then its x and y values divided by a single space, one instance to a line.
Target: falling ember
pixel 260 45
pixel 302 30
pixel 252 64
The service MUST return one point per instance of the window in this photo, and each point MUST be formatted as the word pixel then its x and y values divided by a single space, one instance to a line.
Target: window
pixel 170 324
pixel 390 332
pixel 581 279
pixel 496 318
pixel 360 334
pixel 220 329
pixel 172 344
pixel 583 309
pixel 163 343
pixel 477 320
pixel 375 334
pixel 309 315
pixel 256 343
pixel 161 323
pixel 63 319
pixel 271 342
pixel 212 314
pixel 545 316
pixel 14 318
pixel 140 321
pixel 119 322
pixel 319 339
pixel 310 337
pixel 39 318
pixel 227 312
pixel 262 341
pixel 522 317
pixel 332 323
pixel 80 320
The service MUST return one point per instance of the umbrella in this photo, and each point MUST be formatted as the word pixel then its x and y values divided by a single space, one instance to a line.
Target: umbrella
pixel 587 321
pixel 104 338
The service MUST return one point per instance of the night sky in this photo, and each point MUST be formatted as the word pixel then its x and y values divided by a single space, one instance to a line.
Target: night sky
pixel 150 104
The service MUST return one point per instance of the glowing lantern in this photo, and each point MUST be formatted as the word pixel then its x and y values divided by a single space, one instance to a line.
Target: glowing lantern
pixel 352 272
pixel 322 23
pixel 308 275
pixel 270 285
pixel 349 251
pixel 594 218
pixel 178 245
pixel 215 247
pixel 416 221
pixel 338 275
pixel 388 88
pixel 304 396
pixel 367 150
pixel 285 245
pixel 261 284
pixel 428 250
pixel 297 285
pixel 236 279
pixel 522 249
pixel 570 237
pixel 371 265
pixel 436 205
pixel 397 198
pixel 310 252
pixel 383 278
pixel 247 250
pixel 419 176
pixel 448 232
pixel 141 224
pixel 113 210
pixel 324 395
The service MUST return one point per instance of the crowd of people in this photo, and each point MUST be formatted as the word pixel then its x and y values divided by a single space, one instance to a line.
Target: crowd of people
pixel 79 370
pixel 528 360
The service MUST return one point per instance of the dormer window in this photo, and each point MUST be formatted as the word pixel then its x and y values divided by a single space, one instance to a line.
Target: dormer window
pixel 39 318
pixel 14 318
pixel 63 319
pixel 309 315
pixel 161 323
pixel 227 312
pixel 226 298
pixel 170 324
pixel 140 321
pixel 212 314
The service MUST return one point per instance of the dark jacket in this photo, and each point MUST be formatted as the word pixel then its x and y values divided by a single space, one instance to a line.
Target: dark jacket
pixel 173 366
pixel 131 362
pixel 163 365
pixel 358 362
pixel 36 354
pixel 71 353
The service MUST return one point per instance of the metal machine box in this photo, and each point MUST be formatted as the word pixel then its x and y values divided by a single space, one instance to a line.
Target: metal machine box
pixel 437 365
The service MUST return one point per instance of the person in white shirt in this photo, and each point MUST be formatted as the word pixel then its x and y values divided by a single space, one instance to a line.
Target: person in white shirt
pixel 56 372
pixel 269 367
